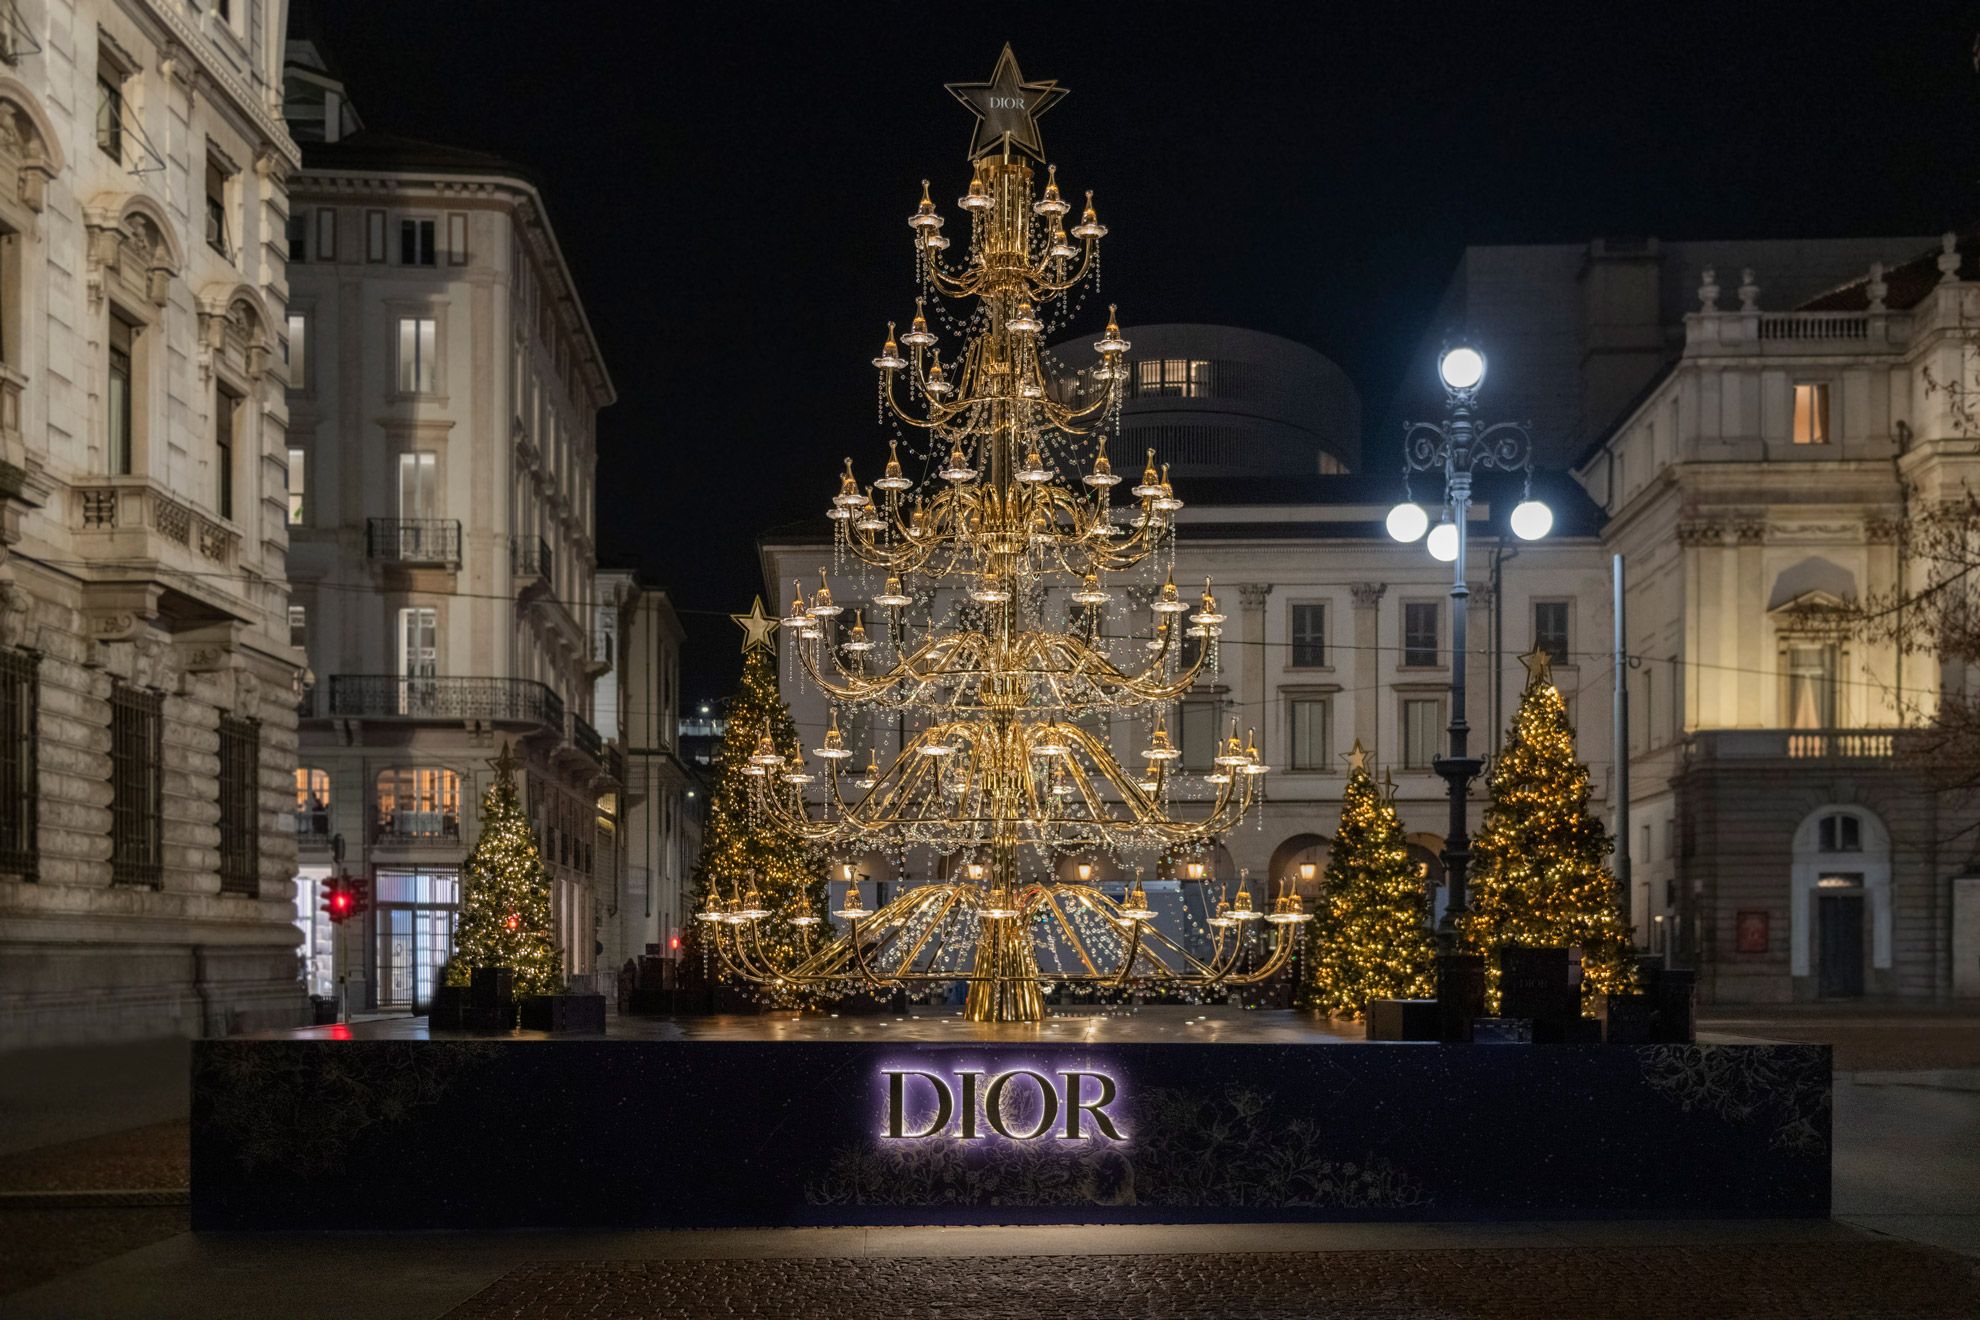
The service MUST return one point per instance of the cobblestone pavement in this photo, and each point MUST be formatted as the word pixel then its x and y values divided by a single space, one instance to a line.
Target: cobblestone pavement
pixel 1831 1281
pixel 62 1207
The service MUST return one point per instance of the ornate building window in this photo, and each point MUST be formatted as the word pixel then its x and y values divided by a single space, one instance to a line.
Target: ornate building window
pixel 19 787
pixel 1809 691
pixel 240 833
pixel 137 803
pixel 1196 727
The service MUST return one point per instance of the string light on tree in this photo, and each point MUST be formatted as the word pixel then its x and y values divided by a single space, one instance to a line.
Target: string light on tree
pixel 744 866
pixel 1541 877
pixel 505 895
pixel 1372 933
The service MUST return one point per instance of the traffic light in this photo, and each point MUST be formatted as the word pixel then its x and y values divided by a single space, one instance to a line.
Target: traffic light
pixel 337 900
pixel 344 897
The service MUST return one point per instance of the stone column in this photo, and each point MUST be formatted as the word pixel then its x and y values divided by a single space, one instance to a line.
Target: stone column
pixel 1252 705
pixel 1758 701
pixel 1367 667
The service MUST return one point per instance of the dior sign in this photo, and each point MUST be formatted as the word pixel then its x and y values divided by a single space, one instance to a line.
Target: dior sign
pixel 1020 1104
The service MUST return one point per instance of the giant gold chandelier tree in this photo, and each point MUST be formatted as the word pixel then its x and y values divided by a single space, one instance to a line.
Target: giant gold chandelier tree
pixel 1014 523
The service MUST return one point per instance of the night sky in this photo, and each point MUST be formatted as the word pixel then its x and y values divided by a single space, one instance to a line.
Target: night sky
pixel 730 183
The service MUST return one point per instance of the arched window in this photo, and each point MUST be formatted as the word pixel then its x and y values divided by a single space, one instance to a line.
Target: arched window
pixel 312 803
pixel 419 804
pixel 1839 832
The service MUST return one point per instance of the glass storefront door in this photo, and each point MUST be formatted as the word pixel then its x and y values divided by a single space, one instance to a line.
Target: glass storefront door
pixel 415 924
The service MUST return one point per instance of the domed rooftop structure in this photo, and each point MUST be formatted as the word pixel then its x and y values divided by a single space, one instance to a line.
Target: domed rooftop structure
pixel 1218 401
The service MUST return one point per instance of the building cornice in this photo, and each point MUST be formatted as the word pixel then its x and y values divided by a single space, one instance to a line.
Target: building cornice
pixel 183 40
pixel 527 205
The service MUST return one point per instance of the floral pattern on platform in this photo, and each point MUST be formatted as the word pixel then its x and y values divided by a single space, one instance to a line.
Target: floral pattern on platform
pixel 299 1109
pixel 1220 1150
pixel 1783 1086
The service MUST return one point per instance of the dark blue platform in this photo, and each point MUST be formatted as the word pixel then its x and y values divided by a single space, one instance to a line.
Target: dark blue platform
pixel 390 1132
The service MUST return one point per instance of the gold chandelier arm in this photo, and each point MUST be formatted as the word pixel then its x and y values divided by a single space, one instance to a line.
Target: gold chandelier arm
pixel 1282 947
pixel 1073 938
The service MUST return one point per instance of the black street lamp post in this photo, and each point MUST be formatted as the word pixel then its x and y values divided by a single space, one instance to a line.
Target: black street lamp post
pixel 1460 446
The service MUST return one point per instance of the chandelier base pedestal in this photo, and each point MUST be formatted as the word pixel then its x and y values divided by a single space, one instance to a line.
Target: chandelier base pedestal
pixel 1007 968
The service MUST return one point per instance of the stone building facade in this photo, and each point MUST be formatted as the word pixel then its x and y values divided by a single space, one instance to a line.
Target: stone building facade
pixel 657 814
pixel 1764 475
pixel 441 520
pixel 147 683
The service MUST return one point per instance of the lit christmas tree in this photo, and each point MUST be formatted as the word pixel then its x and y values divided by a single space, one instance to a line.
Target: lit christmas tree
pixel 505 900
pixel 1540 874
pixel 1371 937
pixel 741 852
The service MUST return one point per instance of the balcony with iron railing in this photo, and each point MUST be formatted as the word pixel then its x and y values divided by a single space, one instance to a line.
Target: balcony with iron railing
pixel 413 829
pixel 1853 746
pixel 531 561
pixel 391 697
pixel 421 542
pixel 312 825
pixel 585 738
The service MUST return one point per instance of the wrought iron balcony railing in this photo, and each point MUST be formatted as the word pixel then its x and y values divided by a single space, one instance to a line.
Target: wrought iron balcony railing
pixel 411 828
pixel 388 696
pixel 585 738
pixel 313 825
pixel 530 558
pixel 414 540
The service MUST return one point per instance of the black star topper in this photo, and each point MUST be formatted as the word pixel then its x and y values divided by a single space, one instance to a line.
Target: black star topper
pixel 1006 108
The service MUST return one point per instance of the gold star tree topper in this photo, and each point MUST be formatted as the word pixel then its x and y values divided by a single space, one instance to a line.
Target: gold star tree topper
pixel 1539 664
pixel 1007 108
pixel 757 627
pixel 1358 758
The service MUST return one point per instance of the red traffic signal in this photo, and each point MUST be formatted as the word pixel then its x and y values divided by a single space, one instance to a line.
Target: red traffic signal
pixel 344 897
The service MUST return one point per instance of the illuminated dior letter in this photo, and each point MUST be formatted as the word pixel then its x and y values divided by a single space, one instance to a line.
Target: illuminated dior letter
pixel 945 1102
pixel 1097 1107
pixel 965 1105
pixel 993 1105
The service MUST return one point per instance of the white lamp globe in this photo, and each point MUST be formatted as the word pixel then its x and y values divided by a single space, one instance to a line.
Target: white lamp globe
pixel 1443 542
pixel 1408 521
pixel 1462 367
pixel 1531 520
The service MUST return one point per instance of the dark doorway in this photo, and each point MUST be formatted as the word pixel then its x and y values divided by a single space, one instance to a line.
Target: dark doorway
pixel 1840 947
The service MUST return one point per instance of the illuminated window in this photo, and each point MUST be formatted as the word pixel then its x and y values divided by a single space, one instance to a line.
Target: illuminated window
pixel 417 345
pixel 1811 686
pixel 1183 378
pixel 419 803
pixel 1811 414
